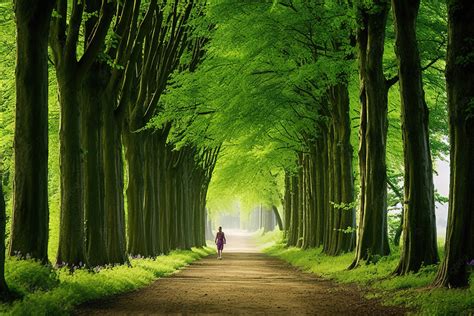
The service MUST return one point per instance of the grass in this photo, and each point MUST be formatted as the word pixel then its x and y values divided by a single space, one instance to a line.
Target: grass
pixel 412 291
pixel 49 291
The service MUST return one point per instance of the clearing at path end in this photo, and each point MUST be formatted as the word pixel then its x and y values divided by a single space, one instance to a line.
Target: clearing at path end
pixel 244 282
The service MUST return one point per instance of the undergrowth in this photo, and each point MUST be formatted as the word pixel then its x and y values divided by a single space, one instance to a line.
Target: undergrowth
pixel 49 291
pixel 412 291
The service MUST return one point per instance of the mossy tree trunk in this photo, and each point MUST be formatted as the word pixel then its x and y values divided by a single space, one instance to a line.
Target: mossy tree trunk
pixel 94 211
pixel 459 247
pixel 419 226
pixel 4 290
pixel 114 204
pixel 372 237
pixel 29 230
pixel 71 235
pixel 341 181
pixel 135 193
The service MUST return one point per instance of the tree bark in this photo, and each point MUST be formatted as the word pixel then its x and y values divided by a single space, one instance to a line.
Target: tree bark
pixel 277 217
pixel 149 206
pixel 4 290
pixel 71 235
pixel 94 212
pixel 372 238
pixel 287 203
pixel 114 204
pixel 320 202
pixel 301 197
pixel 29 230
pixel 342 182
pixel 459 247
pixel 419 227
pixel 293 232
pixel 135 193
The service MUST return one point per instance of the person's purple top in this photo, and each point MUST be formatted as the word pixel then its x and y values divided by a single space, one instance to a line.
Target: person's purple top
pixel 220 240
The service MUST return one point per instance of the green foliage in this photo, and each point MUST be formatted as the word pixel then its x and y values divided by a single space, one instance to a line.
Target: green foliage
pixel 26 276
pixel 49 291
pixel 412 290
pixel 258 91
pixel 7 94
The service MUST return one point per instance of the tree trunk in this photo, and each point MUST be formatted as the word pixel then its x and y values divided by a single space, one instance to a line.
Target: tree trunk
pixel 277 217
pixel 287 203
pixel 149 206
pixel 4 291
pixel 135 192
pixel 419 227
pixel 114 204
pixel 373 239
pixel 29 230
pixel 164 204
pixel 301 197
pixel 325 188
pixel 343 184
pixel 94 213
pixel 71 235
pixel 306 218
pixel 293 232
pixel 319 184
pixel 209 234
pixel 459 248
pixel 331 188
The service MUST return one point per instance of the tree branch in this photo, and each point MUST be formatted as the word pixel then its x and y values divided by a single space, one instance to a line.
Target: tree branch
pixel 97 37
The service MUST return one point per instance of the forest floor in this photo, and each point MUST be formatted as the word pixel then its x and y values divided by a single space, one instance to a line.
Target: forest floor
pixel 244 282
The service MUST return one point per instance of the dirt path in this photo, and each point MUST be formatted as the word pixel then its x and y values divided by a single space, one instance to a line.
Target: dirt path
pixel 244 282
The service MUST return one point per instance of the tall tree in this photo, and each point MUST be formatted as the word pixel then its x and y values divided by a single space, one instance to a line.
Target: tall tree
pixel 459 247
pixel 372 236
pixel 419 224
pixel 70 73
pixel 29 232
pixel 93 175
pixel 4 291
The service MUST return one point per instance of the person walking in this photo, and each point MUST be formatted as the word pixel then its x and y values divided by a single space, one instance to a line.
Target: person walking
pixel 220 241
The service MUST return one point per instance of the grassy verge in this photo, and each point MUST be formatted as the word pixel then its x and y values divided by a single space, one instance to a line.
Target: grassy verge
pixel 412 290
pixel 48 291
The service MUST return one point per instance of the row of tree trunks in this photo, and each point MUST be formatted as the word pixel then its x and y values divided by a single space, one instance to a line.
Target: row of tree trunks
pixel 92 97
pixel 166 195
pixel 319 197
